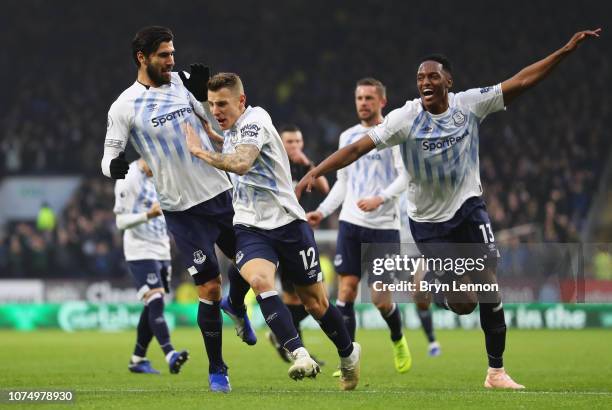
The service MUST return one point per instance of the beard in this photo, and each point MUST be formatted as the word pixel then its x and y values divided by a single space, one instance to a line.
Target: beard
pixel 367 117
pixel 156 77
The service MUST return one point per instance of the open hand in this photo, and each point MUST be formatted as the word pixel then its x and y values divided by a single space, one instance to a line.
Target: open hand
pixel 580 36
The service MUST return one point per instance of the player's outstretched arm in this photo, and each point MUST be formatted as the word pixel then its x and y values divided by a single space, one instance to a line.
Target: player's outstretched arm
pixel 339 159
pixel 536 72
pixel 239 162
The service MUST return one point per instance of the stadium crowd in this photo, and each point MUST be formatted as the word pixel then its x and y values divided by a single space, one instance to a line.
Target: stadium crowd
pixel 83 243
pixel 540 161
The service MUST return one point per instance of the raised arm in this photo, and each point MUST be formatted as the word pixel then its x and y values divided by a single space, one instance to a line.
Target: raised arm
pixel 339 159
pixel 238 162
pixel 536 72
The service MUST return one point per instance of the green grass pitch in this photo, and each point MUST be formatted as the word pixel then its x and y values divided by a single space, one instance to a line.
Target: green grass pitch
pixel 561 369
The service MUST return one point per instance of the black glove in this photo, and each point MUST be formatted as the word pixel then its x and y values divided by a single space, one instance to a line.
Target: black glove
pixel 119 166
pixel 197 81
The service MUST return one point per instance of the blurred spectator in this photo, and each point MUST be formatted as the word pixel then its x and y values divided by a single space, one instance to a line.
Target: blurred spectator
pixel 603 264
pixel 83 243
pixel 46 218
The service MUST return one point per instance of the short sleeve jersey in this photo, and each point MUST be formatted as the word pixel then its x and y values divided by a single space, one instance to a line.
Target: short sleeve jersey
pixel 133 195
pixel 440 152
pixel 264 196
pixel 151 118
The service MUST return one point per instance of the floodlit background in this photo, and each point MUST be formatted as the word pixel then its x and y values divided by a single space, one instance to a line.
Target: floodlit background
pixel 546 162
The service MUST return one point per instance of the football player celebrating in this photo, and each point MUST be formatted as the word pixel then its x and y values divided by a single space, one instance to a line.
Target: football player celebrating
pixel 438 135
pixel 194 197
pixel 271 227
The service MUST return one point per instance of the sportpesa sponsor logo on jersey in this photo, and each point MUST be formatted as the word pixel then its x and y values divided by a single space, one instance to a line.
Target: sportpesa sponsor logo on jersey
pixel 431 144
pixel 162 119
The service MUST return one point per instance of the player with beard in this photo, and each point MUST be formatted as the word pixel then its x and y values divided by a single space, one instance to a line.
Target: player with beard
pixel 438 134
pixel 195 197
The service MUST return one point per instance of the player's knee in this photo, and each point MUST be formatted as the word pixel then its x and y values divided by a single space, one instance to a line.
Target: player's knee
pixel 153 294
pixel 422 300
pixel 148 296
pixel 383 307
pixel 291 298
pixel 261 283
pixel 347 291
pixel 462 308
pixel 316 306
pixel 210 290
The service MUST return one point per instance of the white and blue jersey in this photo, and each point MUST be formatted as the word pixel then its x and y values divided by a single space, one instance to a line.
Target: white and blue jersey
pixel 148 239
pixel 369 176
pixel 440 152
pixel 151 118
pixel 264 196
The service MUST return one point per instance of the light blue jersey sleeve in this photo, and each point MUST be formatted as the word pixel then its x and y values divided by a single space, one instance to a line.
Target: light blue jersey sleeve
pixel 396 126
pixel 118 126
pixel 252 133
pixel 481 101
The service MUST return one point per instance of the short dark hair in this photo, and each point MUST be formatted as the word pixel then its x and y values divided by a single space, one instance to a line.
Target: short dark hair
pixel 380 87
pixel 148 39
pixel 289 128
pixel 439 58
pixel 225 80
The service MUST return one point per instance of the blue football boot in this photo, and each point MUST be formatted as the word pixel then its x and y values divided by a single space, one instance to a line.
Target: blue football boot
pixel 219 382
pixel 244 330
pixel 177 361
pixel 144 366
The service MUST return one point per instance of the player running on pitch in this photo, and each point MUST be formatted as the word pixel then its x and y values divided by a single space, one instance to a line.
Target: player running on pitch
pixel 195 197
pixel 271 227
pixel 300 164
pixel 368 191
pixel 146 247
pixel 438 135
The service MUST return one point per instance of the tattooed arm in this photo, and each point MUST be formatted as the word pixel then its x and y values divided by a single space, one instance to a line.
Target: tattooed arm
pixel 239 162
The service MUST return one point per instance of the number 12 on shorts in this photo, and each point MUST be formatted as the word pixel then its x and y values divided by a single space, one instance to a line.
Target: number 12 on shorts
pixel 309 253
pixel 487 237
